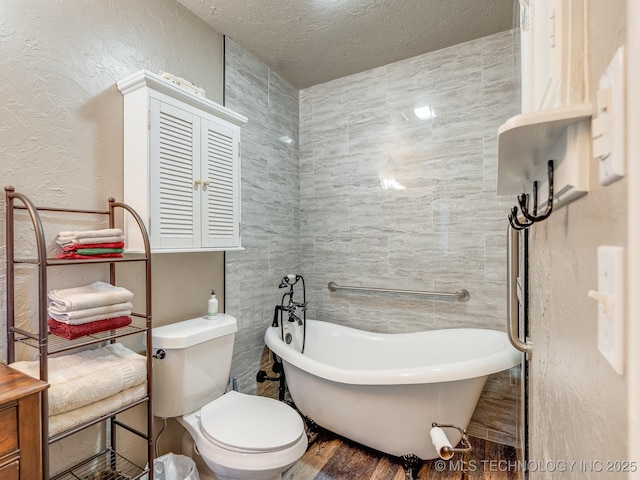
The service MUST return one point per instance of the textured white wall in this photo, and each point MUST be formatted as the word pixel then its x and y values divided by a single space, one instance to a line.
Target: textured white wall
pixel 61 129
pixel 578 403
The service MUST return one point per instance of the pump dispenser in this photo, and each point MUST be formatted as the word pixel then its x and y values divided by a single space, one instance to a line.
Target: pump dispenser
pixel 212 307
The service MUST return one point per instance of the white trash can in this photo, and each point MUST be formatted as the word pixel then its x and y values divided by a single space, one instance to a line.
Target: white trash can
pixel 174 467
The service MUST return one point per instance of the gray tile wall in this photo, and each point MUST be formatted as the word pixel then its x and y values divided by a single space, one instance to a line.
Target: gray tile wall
pixel 270 203
pixel 322 211
pixel 445 230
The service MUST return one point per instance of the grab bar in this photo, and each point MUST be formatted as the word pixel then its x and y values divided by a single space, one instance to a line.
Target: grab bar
pixel 513 237
pixel 461 295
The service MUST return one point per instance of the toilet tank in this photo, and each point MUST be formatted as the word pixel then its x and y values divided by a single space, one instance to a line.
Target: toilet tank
pixel 196 366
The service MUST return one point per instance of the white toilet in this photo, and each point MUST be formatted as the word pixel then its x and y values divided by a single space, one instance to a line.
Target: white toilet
pixel 238 436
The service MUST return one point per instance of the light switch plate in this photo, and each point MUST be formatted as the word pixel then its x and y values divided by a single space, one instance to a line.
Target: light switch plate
pixel 608 126
pixel 611 313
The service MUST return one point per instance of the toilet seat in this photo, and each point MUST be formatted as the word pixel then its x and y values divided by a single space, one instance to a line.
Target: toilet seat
pixel 250 424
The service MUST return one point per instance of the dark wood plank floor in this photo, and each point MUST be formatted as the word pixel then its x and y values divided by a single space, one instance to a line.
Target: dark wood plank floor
pixel 333 458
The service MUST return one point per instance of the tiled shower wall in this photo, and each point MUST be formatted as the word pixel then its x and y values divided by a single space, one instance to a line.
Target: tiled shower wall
pixel 443 228
pixel 330 218
pixel 270 203
pixel 446 229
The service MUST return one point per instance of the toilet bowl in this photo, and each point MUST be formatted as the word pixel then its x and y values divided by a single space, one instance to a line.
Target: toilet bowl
pixel 242 436
pixel 238 436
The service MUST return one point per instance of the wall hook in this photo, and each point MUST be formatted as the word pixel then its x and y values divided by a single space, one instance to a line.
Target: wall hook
pixel 515 223
pixel 523 201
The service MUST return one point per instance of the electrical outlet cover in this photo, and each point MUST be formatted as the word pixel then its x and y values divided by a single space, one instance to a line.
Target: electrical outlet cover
pixel 611 92
pixel 611 317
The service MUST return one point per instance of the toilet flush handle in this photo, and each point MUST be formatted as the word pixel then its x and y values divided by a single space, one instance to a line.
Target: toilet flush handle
pixel 160 354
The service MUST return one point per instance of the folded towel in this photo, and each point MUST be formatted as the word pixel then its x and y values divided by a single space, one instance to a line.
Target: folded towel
pixel 70 332
pixel 68 420
pixel 86 377
pixel 82 246
pixel 104 232
pixel 97 251
pixel 78 256
pixel 97 294
pixel 93 318
pixel 78 317
pixel 90 240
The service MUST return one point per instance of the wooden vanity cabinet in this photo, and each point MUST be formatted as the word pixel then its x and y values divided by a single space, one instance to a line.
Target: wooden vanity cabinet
pixel 20 432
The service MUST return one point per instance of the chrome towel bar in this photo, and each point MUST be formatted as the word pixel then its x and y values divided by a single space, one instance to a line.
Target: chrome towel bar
pixel 461 295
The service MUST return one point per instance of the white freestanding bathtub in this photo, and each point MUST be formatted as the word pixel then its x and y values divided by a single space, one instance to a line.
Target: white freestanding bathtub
pixel 385 390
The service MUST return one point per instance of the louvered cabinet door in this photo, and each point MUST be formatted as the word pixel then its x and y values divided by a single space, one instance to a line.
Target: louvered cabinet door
pixel 221 189
pixel 174 168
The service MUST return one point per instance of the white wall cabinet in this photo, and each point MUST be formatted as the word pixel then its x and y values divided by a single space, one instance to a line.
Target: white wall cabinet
pixel 181 166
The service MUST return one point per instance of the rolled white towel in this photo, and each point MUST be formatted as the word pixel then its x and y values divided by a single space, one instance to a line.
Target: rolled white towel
pixel 78 317
pixel 86 377
pixel 181 82
pixel 97 294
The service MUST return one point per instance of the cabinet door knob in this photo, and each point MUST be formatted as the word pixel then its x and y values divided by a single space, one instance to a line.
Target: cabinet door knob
pixel 196 183
pixel 205 184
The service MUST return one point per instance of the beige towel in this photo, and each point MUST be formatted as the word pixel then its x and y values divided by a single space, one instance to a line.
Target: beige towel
pixel 97 294
pixel 70 237
pixel 78 317
pixel 86 377
pixel 65 421
pixel 95 318
pixel 88 241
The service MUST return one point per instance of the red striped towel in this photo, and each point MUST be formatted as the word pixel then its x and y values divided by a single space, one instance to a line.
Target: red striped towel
pixel 70 332
pixel 81 246
pixel 76 255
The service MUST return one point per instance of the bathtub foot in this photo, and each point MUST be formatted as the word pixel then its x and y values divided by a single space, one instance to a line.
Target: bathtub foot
pixel 411 464
pixel 311 429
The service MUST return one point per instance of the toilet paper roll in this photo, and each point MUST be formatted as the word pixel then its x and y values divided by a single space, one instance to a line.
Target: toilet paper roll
pixel 440 441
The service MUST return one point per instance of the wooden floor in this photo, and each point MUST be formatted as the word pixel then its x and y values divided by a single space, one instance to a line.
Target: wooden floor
pixel 334 458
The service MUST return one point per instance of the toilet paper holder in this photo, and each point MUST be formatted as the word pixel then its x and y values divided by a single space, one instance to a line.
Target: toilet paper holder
pixel 446 451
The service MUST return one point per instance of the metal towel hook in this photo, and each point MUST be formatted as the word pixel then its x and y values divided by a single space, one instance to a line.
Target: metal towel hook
pixel 515 223
pixel 523 202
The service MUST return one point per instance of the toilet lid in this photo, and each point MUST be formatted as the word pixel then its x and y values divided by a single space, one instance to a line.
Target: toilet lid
pixel 249 423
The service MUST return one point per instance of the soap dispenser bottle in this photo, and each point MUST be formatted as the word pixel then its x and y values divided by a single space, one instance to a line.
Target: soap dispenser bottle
pixel 212 307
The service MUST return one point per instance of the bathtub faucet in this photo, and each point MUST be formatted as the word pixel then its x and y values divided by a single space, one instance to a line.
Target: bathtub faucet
pixel 291 306
pixel 294 318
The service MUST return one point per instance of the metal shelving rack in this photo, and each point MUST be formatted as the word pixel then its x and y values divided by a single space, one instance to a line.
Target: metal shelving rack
pixel 47 344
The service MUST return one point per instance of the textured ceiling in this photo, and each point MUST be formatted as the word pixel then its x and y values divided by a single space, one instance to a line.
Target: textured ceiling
pixel 313 41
